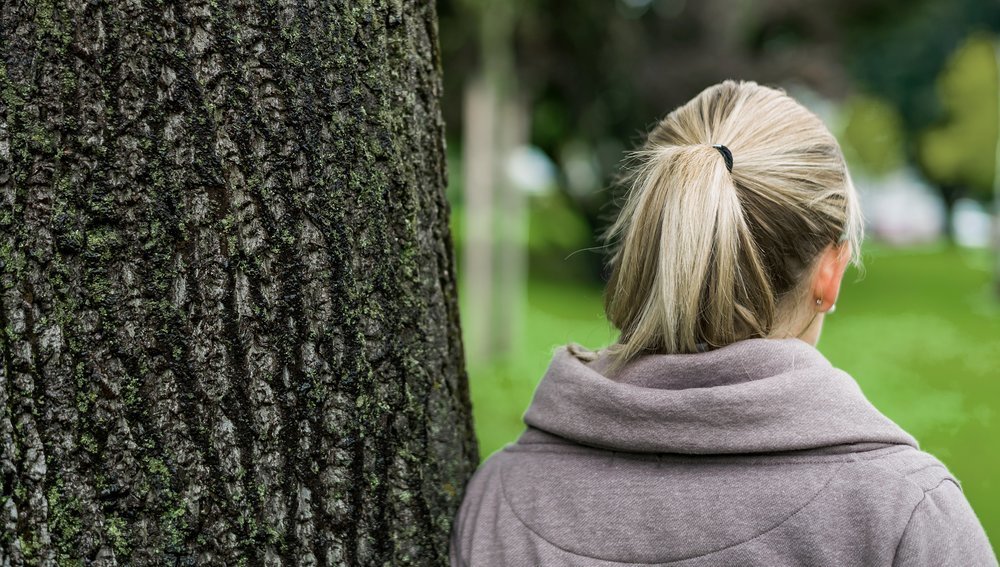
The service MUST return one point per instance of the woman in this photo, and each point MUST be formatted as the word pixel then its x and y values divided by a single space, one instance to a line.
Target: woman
pixel 713 432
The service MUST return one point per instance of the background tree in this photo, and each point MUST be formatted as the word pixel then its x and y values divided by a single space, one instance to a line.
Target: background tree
pixel 227 298
pixel 961 149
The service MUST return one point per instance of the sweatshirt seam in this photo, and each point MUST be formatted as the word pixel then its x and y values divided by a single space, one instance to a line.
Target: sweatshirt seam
pixel 850 457
pixel 906 476
pixel 510 506
pixel 913 512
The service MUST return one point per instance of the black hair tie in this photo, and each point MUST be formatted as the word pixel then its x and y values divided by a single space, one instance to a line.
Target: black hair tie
pixel 726 155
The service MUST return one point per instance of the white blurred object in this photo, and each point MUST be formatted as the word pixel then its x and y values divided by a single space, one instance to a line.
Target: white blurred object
pixel 633 8
pixel 531 170
pixel 580 166
pixel 901 208
pixel 971 224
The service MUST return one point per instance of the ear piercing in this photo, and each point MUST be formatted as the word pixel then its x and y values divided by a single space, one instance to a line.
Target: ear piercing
pixel 833 306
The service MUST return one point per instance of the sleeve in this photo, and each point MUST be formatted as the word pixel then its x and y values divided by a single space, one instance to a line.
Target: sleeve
pixel 455 541
pixel 944 531
pixel 454 546
pixel 458 552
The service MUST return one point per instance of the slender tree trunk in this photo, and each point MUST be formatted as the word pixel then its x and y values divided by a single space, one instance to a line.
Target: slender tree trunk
pixel 495 120
pixel 478 275
pixel 227 299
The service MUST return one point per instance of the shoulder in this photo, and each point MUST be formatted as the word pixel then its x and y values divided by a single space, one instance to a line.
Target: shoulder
pixel 915 469
pixel 942 528
pixel 937 525
pixel 532 446
pixel 481 498
pixel 890 482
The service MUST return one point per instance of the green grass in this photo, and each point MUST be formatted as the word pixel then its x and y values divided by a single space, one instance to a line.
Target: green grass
pixel 920 333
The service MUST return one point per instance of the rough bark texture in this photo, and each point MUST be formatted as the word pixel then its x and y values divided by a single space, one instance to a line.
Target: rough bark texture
pixel 227 300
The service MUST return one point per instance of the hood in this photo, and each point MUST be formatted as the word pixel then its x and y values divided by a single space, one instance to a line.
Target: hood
pixel 753 396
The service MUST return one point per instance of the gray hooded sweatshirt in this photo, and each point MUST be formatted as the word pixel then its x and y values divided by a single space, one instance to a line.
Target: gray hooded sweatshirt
pixel 757 453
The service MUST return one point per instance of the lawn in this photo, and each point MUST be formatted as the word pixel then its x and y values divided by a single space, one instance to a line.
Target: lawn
pixel 919 332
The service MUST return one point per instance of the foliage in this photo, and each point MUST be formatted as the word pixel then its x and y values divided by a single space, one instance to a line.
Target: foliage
pixel 899 55
pixel 962 149
pixel 872 137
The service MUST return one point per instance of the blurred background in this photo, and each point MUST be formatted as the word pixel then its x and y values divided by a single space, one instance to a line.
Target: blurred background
pixel 542 97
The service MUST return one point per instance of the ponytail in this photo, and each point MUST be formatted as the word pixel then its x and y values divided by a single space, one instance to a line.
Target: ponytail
pixel 709 242
pixel 695 290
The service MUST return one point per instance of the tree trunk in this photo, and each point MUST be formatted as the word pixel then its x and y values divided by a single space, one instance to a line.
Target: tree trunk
pixel 494 267
pixel 229 325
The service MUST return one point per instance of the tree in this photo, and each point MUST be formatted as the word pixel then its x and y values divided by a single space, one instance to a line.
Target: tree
pixel 227 296
pixel 961 149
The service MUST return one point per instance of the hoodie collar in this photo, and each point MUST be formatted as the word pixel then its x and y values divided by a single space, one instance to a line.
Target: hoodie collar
pixel 753 396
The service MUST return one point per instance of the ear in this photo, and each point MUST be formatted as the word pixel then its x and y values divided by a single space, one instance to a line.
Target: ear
pixel 830 268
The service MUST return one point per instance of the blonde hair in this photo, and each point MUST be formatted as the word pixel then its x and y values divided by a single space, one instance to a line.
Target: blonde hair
pixel 704 257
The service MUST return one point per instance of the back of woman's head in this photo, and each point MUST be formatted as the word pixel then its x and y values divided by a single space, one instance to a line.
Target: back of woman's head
pixel 708 256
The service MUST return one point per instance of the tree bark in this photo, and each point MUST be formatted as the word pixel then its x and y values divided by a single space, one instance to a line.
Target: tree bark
pixel 227 299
